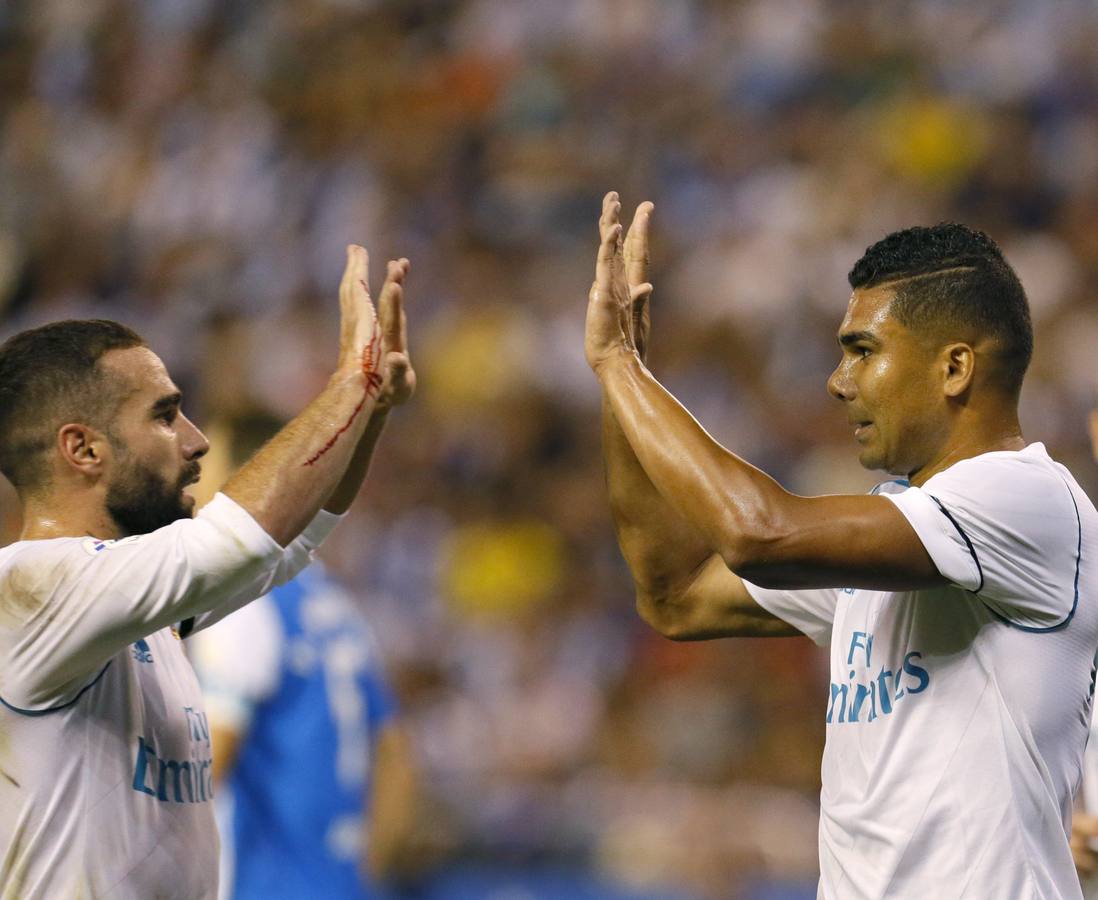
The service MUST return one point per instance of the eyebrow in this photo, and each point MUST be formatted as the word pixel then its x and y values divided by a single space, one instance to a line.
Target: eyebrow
pixel 858 337
pixel 167 402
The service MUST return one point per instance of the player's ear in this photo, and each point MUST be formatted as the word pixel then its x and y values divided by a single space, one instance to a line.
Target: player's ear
pixel 83 449
pixel 958 366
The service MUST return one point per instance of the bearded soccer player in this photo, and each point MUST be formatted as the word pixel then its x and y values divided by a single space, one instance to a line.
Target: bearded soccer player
pixel 958 601
pixel 105 782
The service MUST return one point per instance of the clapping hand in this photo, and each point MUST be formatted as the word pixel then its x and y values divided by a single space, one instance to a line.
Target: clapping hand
pixel 617 308
pixel 400 377
pixel 359 333
pixel 376 342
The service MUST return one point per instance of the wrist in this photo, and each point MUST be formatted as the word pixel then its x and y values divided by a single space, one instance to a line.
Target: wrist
pixel 356 385
pixel 346 378
pixel 380 412
pixel 620 357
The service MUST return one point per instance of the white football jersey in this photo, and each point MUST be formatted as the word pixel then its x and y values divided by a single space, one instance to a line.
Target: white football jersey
pixel 105 782
pixel 957 716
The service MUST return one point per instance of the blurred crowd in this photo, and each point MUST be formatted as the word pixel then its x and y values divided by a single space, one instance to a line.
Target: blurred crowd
pixel 195 169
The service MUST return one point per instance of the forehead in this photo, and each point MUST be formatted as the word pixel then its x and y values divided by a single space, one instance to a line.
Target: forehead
pixel 140 374
pixel 869 310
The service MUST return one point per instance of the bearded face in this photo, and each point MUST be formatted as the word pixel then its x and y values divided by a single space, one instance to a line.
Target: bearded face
pixel 139 500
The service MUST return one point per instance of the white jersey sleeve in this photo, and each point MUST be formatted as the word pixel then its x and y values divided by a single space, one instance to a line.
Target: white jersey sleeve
pixel 239 663
pixel 72 603
pixel 1006 527
pixel 812 612
pixel 297 555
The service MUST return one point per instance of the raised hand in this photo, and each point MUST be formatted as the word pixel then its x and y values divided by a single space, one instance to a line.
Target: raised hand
pixel 400 377
pixel 359 333
pixel 636 274
pixel 610 307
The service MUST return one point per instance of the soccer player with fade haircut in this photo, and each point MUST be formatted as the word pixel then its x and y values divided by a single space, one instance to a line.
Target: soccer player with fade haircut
pixel 958 602
pixel 105 782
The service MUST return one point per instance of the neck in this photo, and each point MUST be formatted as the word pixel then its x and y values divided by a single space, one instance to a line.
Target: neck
pixel 44 518
pixel 1004 434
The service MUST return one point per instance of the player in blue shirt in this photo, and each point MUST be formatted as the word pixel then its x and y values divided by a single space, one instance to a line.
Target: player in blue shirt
pixel 304 732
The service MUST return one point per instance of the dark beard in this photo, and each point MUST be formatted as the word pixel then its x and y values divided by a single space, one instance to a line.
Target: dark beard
pixel 141 501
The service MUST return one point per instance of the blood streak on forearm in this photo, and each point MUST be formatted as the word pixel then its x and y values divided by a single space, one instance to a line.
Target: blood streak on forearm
pixel 370 360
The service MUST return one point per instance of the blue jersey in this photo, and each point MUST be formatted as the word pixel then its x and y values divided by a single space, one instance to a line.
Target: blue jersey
pixel 297 674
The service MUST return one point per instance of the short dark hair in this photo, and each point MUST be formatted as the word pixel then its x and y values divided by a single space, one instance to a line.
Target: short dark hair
pixel 952 275
pixel 50 376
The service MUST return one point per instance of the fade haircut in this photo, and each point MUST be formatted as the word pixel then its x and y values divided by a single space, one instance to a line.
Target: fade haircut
pixel 50 376
pixel 952 277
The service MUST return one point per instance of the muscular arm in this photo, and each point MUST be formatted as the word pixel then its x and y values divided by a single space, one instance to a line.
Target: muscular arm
pixel 396 387
pixel 682 502
pixel 321 458
pixel 286 483
pixel 684 590
pixel 759 530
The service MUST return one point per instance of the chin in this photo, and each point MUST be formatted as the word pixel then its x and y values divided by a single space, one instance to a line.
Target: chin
pixel 875 462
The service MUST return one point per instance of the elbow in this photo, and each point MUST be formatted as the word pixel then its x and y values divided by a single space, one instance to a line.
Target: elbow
pixel 767 570
pixel 754 553
pixel 659 613
pixel 754 566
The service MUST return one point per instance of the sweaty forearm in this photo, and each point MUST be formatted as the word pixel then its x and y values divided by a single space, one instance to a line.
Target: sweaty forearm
pixel 661 548
pixel 728 503
pixel 287 482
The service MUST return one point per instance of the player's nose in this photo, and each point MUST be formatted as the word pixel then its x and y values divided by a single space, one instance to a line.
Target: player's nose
pixel 839 384
pixel 195 444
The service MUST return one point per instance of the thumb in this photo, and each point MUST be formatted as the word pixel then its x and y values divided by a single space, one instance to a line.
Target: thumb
pixel 398 363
